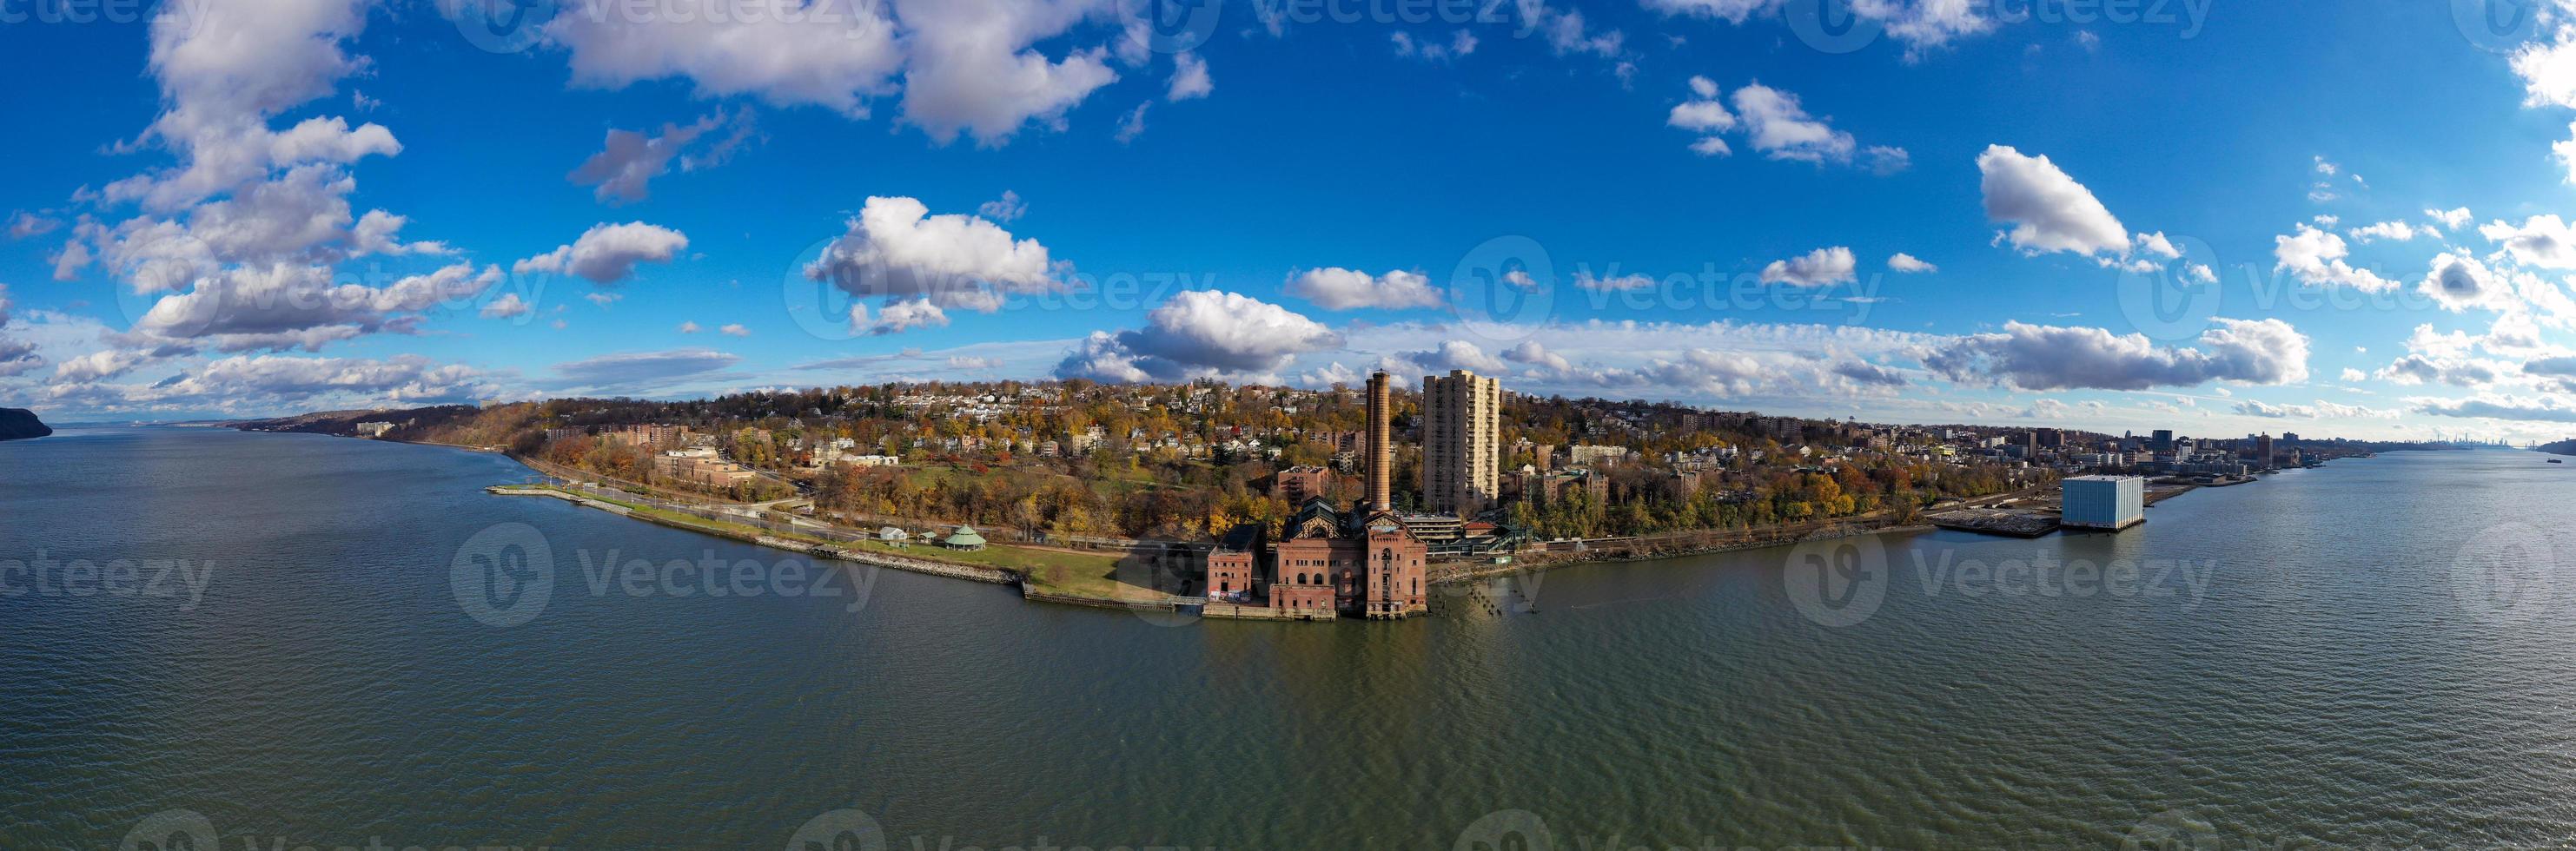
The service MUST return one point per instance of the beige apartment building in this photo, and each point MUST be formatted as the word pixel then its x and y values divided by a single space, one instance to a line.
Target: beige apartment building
pixel 1462 429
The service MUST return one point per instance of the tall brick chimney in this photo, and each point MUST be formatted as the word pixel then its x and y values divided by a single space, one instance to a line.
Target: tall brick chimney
pixel 1381 443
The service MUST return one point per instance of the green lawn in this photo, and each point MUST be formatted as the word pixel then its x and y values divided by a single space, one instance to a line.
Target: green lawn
pixel 1032 561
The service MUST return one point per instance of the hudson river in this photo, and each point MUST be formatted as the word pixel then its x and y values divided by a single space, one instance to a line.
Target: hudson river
pixel 298 640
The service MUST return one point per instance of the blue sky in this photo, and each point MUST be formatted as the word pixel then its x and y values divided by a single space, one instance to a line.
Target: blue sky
pixel 1706 199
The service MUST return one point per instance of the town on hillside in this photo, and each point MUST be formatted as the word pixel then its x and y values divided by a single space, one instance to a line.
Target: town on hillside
pixel 1315 502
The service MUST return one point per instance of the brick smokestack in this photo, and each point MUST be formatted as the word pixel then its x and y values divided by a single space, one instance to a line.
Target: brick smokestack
pixel 1381 443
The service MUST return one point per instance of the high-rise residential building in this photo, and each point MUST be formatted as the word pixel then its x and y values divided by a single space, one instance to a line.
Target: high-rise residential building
pixel 2162 441
pixel 1462 430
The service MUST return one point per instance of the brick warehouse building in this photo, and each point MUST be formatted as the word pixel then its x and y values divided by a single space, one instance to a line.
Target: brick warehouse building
pixel 1360 563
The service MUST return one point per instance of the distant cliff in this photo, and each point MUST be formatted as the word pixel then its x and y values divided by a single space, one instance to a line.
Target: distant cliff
pixel 2563 447
pixel 20 423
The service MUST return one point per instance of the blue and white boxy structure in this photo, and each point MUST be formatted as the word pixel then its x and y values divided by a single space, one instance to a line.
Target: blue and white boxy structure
pixel 2105 502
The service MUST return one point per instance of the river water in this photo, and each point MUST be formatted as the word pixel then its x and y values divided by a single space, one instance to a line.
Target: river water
pixel 301 641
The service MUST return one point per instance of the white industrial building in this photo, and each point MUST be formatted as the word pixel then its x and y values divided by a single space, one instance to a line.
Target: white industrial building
pixel 2105 502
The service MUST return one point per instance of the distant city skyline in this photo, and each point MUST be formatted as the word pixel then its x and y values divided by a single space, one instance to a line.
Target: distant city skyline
pixel 226 211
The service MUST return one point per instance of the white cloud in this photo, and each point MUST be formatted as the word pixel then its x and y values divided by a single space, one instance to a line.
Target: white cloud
pixel 1921 25
pixel 2391 230
pixel 838 54
pixel 2451 219
pixel 2048 209
pixel 690 327
pixel 2458 282
pixel 1449 355
pixel 2541 241
pixel 1201 333
pixel 1531 352
pixel 1779 127
pixel 1818 268
pixel 1189 78
pixel 734 330
pixel 896 250
pixel 606 254
pixel 1907 263
pixel 1347 289
pixel 898 317
pixel 507 306
pixel 972 68
pixel 2039 357
pixel 2316 257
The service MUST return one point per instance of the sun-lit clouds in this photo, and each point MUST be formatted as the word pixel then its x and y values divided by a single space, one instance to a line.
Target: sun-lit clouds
pixel 2048 210
pixel 1776 124
pixel 837 54
pixel 507 306
pixel 1449 355
pixel 256 383
pixel 1347 289
pixel 972 68
pixel 2544 242
pixel 1819 268
pixel 284 305
pixel 1921 25
pixel 2041 357
pixel 895 250
pixel 897 317
pixel 608 253
pixel 1909 264
pixel 2321 410
pixel 2551 408
pixel 2395 231
pixel 2317 257
pixel 1200 333
pixel 1190 79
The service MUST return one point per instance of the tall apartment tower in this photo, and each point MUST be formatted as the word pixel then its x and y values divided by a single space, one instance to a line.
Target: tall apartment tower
pixel 1381 443
pixel 1462 430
